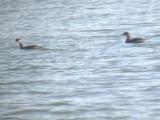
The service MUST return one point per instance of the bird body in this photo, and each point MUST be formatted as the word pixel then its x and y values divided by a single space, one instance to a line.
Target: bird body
pixel 133 40
pixel 28 46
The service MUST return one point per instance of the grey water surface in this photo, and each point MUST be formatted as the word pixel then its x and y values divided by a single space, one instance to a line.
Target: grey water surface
pixel 86 71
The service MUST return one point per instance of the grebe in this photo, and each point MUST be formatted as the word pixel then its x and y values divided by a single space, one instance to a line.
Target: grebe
pixel 26 47
pixel 133 40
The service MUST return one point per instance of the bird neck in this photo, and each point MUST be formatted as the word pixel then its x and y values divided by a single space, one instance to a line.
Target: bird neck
pixel 20 45
pixel 128 37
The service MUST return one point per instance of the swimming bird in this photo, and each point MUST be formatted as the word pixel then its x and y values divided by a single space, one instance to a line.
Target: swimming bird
pixel 133 40
pixel 19 41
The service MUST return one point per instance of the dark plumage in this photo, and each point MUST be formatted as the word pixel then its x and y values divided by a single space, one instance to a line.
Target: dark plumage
pixel 133 40
pixel 26 47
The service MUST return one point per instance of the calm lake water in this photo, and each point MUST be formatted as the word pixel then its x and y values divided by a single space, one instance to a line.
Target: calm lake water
pixel 86 72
